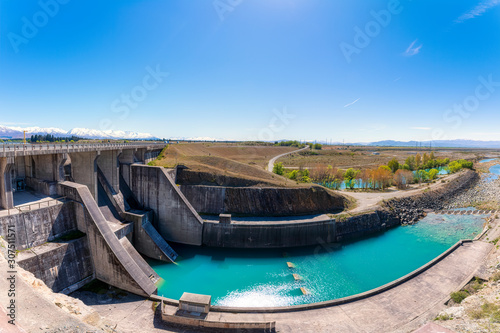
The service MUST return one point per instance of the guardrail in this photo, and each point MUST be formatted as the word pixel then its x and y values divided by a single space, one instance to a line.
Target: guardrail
pixel 37 205
pixel 71 146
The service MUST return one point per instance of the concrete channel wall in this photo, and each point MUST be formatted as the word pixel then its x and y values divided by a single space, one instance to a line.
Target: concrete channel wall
pixel 279 234
pixel 175 219
pixel 39 226
pixel 262 201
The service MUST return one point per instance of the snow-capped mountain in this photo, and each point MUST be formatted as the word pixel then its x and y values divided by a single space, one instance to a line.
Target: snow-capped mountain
pixel 13 132
pixel 108 134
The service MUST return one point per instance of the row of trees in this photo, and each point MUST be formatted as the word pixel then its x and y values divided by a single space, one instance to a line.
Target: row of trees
pixel 418 162
pixel 290 143
pixel 295 143
pixel 394 173
pixel 52 138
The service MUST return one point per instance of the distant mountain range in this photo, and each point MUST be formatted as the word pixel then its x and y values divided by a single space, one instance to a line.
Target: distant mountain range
pixel 461 143
pixel 12 132
pixel 7 132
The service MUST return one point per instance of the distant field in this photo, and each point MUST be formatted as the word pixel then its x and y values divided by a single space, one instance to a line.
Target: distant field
pixel 364 157
pixel 249 162
pixel 233 160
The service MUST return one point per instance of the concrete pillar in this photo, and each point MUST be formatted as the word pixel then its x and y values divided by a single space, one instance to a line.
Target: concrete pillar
pixel 84 170
pixel 126 159
pixel 140 154
pixel 110 167
pixel 6 193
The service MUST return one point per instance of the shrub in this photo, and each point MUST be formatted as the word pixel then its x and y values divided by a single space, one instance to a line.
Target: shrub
pixel 495 277
pixel 433 173
pixel 444 317
pixel 279 169
pixel 459 296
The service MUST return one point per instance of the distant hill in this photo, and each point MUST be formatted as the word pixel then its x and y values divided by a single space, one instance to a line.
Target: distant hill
pixel 7 132
pixel 460 143
pixel 439 143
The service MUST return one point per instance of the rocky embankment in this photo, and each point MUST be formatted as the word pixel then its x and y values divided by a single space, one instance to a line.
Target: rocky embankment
pixel 485 192
pixel 411 209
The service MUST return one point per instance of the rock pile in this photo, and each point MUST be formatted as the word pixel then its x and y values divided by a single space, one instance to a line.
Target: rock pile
pixel 485 190
pixel 411 209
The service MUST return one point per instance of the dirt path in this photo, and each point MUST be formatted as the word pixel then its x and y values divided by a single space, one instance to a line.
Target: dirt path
pixel 270 165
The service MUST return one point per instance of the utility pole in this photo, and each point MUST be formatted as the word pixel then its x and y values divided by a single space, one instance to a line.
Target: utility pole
pixel 24 138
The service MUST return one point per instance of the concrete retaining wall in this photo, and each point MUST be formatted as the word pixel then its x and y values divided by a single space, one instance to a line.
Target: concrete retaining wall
pixel 41 225
pixel 59 265
pixel 277 235
pixel 175 218
pixel 266 201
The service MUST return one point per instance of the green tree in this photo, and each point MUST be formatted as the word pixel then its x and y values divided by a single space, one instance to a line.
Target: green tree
pixel 410 161
pixel 349 176
pixel 425 159
pixel 432 157
pixel 279 169
pixel 393 165
pixel 466 164
pixel 418 161
pixel 433 173
pixel 454 166
pixel 293 174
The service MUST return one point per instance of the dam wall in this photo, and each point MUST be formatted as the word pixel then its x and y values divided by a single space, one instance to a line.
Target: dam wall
pixel 41 225
pixel 59 265
pixel 174 217
pixel 262 201
pixel 307 233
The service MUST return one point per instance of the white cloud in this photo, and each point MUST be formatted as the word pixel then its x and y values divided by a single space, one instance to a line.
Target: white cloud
pixel 421 128
pixel 479 10
pixel 412 49
pixel 349 104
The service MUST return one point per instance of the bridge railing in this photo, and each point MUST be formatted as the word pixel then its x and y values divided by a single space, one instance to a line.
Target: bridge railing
pixel 72 146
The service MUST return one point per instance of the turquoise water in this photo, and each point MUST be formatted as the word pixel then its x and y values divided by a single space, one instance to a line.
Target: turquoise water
pixel 495 172
pixel 256 277
pixel 487 160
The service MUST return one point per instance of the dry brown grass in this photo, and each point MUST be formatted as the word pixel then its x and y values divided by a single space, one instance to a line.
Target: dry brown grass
pixel 233 160
pixel 363 158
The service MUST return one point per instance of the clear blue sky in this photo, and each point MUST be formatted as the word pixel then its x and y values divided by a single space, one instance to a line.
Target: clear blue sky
pixel 233 65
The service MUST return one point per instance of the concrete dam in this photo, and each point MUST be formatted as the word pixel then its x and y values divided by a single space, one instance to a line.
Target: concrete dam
pixel 103 208
pixel 90 225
